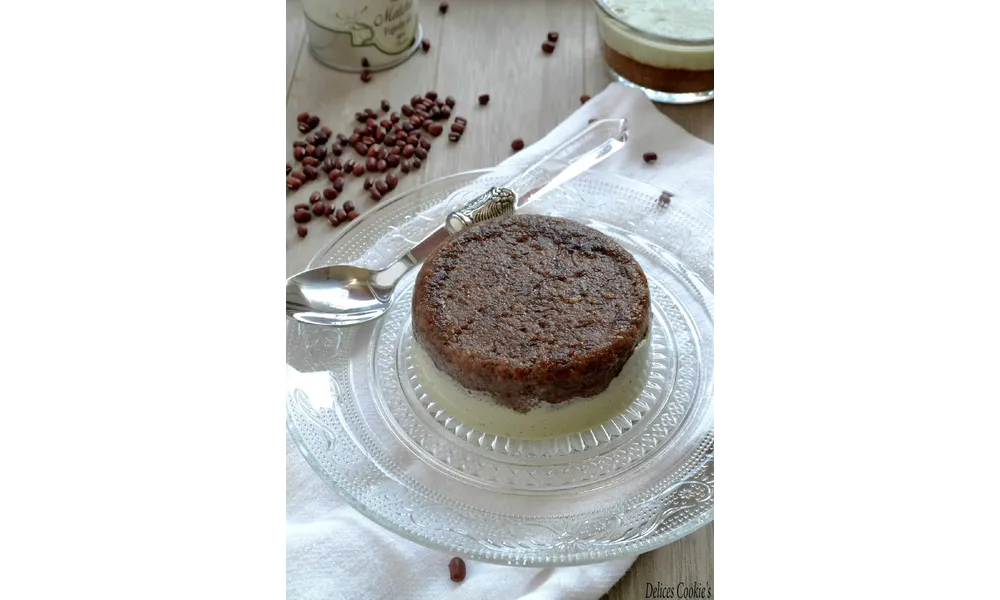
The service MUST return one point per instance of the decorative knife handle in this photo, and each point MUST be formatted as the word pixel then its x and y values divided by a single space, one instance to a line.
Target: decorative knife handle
pixel 494 203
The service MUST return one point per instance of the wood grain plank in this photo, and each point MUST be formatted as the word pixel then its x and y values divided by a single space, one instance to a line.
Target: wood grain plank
pixel 688 560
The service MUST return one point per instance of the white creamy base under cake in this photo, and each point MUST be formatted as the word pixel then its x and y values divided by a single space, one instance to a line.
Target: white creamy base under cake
pixel 480 411
pixel 676 19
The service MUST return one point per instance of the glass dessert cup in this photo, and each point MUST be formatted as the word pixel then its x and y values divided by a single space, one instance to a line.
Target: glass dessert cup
pixel 670 70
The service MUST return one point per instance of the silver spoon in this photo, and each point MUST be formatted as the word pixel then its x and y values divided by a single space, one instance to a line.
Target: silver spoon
pixel 343 295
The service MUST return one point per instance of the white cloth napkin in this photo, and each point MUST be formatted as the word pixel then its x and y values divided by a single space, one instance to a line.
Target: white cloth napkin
pixel 333 552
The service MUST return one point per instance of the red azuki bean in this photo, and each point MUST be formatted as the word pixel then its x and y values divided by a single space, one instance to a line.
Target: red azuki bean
pixel 548 47
pixel 584 98
pixel 311 139
pixel 665 197
pixel 392 181
pixel 337 149
pixel 458 128
pixel 298 144
pixel 366 76
pixel 425 144
pixel 333 220
pixel 421 153
pixel 302 230
pixel 338 184
pixel 392 160
pixel 327 209
pixel 372 152
pixel 334 174
pixel 302 206
pixel 359 170
pixel 404 166
pixel 408 151
pixel 390 139
pixel 456 569
pixel 385 105
pixel 302 216
pixel 361 148
pixel 382 166
pixel 450 102
pixel 371 164
pixel 326 131
pixel 317 209
pixel 330 193
pixel 381 186
pixel 319 152
pixel 443 7
pixel 484 99
pixel 354 139
pixel 553 36
pixel 293 183
pixel 351 215
pixel 310 172
pixel 435 129
pixel 649 157
pixel 416 164
pixel 348 206
pixel 374 195
pixel 303 117
pixel 407 110
pixel 368 182
pixel 416 121
pixel 454 137
pixel 299 175
pixel 517 144
pixel 416 100
pixel 341 214
pixel 425 44
pixel 394 117
pixel 313 198
pixel 288 169
pixel 310 161
pixel 299 153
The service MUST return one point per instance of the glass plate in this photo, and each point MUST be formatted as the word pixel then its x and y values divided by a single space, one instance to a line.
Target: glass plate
pixel 358 412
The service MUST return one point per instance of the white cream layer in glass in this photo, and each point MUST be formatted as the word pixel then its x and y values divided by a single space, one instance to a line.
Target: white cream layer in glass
pixel 480 411
pixel 689 20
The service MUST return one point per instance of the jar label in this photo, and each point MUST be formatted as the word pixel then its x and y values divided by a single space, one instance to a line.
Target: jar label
pixel 388 25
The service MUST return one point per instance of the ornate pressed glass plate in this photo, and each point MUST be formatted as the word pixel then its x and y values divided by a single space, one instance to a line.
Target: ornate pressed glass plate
pixel 360 415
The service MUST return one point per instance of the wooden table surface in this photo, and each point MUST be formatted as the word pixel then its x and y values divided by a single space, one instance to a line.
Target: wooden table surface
pixel 494 47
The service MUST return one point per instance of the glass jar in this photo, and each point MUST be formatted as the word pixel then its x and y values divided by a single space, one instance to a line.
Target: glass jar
pixel 663 47
pixel 352 35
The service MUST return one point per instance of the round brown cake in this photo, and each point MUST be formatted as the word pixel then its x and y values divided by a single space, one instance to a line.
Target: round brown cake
pixel 529 308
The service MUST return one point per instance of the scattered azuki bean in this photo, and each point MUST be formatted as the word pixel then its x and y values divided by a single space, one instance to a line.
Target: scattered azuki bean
pixel 484 99
pixel 458 128
pixel 461 120
pixel 367 140
pixel 408 127
pixel 371 113
pixel 319 152
pixel 416 100
pixel 374 195
pixel 392 160
pixel 361 148
pixel 665 197
pixel 385 105
pixel 341 139
pixel 456 569
pixel 445 112
pixel 331 193
pixel 649 157
pixel 302 206
pixel 381 186
pixel 310 172
pixel 450 102
pixel 407 110
pixel 365 63
pixel 416 164
pixel 584 98
pixel 303 117
pixel 310 161
pixel 317 209
pixel 313 198
pixel 338 184
pixel 360 117
pixel 337 149
pixel 334 174
pixel 313 121
pixel 299 175
pixel 333 220
pixel 431 95
pixel 425 144
pixel 309 149
pixel 298 144
pixel 341 214
pixel 390 139
pixel 425 44
pixel 348 206
pixel 548 47
pixel 366 76
pixel 408 151
pixel 351 215
pixel 359 170
pixel 392 181
pixel 435 129
pixel 327 209
pixel 424 117
pixel 299 153
pixel 413 139
pixel 421 153
pixel 288 169
pixel 293 183
pixel 393 117
pixel 354 139
pixel 443 7
pixel 553 36
pixel 372 152
pixel 302 216
pixel 368 182
pixel 303 127
pixel 404 166
pixel 371 164
pixel 416 121
pixel 311 139
pixel 302 230
pixel 517 144
pixel 382 166
pixel 454 137
pixel 326 131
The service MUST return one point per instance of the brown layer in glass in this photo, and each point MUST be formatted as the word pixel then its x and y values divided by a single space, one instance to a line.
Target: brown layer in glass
pixel 678 81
